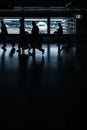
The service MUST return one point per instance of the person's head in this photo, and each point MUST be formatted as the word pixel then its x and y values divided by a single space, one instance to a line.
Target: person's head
pixel 59 24
pixel 2 22
pixel 33 23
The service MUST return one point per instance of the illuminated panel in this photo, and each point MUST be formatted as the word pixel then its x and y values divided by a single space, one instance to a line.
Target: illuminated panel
pixel 12 25
pixel 40 22
pixel 68 24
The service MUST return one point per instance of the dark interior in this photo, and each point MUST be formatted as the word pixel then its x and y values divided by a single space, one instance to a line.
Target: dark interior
pixel 46 91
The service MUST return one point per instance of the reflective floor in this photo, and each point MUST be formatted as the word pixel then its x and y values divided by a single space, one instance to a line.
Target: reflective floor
pixel 41 92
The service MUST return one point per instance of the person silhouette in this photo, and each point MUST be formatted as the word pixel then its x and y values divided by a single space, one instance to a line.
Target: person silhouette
pixel 21 34
pixel 22 41
pixel 36 38
pixel 4 34
pixel 59 34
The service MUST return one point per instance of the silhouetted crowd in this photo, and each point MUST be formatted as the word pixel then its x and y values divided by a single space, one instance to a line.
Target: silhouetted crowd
pixel 34 41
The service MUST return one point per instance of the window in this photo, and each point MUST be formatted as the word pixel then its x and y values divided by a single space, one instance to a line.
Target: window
pixel 12 25
pixel 68 25
pixel 40 22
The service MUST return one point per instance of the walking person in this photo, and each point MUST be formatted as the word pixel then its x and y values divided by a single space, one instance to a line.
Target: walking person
pixel 22 41
pixel 36 38
pixel 21 34
pixel 4 34
pixel 59 34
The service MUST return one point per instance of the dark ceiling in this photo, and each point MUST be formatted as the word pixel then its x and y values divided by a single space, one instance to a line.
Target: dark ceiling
pixel 47 3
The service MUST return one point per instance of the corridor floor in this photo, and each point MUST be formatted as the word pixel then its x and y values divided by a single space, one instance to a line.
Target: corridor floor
pixel 41 92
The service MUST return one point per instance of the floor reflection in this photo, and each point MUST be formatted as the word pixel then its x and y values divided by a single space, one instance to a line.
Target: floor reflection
pixel 42 87
pixel 52 56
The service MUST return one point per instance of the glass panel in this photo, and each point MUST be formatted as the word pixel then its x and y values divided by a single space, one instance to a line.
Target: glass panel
pixel 68 24
pixel 12 25
pixel 40 22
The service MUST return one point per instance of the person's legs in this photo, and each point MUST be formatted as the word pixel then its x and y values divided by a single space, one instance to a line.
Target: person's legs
pixel 4 46
pixel 18 48
pixel 39 46
pixel 59 42
pixel 4 43
pixel 41 49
